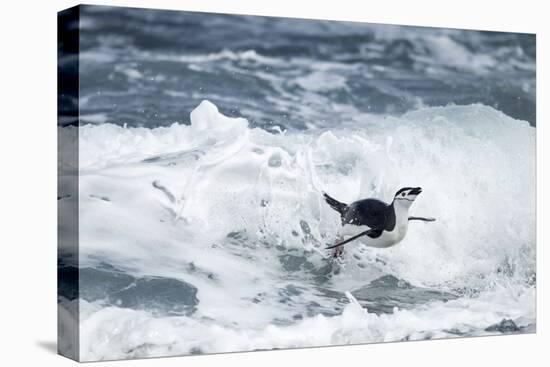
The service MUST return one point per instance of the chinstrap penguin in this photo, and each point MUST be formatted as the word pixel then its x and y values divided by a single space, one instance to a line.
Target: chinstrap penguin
pixel 382 225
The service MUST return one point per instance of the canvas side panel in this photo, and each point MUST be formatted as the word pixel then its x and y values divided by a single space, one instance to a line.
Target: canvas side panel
pixel 67 182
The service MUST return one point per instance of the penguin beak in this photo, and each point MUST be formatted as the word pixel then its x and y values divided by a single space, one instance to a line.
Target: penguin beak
pixel 415 191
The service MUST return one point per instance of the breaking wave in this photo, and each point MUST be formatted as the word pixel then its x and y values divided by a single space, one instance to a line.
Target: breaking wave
pixel 233 215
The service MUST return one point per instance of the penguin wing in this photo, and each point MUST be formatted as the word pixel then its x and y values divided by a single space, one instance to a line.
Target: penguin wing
pixel 368 212
pixel 372 233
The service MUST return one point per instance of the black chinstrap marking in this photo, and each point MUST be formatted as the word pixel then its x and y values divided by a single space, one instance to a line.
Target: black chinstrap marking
pixel 411 200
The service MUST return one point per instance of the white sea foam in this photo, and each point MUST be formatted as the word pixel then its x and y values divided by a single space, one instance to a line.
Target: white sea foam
pixel 240 198
pixel 116 333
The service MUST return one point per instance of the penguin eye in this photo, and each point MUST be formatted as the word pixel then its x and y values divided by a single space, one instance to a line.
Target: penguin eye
pixel 403 194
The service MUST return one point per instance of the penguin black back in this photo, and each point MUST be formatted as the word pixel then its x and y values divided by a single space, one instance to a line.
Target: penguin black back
pixel 372 213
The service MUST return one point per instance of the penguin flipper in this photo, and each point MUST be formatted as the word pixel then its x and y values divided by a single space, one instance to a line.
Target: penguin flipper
pixel 372 233
pixel 429 219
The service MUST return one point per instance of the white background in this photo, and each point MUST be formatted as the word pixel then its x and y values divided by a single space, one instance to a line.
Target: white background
pixel 28 181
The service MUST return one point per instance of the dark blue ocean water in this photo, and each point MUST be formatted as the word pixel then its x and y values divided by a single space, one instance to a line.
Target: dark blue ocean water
pixel 151 68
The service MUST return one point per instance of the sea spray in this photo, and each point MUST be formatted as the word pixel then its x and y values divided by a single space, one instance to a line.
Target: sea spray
pixel 246 228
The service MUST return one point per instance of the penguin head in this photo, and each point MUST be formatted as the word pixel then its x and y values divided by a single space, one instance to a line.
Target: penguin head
pixel 406 196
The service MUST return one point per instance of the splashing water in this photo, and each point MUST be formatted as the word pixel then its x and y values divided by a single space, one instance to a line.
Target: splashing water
pixel 229 221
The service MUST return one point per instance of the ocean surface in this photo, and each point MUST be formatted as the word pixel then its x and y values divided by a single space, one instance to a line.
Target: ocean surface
pixel 206 140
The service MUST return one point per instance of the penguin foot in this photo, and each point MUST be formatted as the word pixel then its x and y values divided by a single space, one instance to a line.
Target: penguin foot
pixel 337 252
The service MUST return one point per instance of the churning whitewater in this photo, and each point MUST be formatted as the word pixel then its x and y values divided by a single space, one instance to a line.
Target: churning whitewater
pixel 210 236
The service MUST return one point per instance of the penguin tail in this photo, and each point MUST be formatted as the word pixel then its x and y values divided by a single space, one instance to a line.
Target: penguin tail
pixel 335 204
